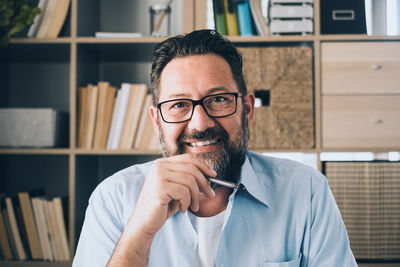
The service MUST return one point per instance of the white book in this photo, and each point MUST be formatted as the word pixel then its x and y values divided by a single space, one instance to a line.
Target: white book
pixel 117 107
pixel 33 29
pixel 286 11
pixel 118 34
pixel 117 123
pixel 291 26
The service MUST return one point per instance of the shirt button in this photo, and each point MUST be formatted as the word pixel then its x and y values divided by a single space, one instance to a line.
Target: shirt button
pixel 188 243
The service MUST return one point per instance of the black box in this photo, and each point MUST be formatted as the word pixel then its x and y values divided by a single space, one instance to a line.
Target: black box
pixel 343 16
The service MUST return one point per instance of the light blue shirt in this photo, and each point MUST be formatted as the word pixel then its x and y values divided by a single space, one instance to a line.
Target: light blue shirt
pixel 287 216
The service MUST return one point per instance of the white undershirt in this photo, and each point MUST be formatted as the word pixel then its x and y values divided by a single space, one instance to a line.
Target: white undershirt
pixel 208 232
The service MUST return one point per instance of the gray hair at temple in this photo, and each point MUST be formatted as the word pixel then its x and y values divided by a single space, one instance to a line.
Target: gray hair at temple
pixel 199 42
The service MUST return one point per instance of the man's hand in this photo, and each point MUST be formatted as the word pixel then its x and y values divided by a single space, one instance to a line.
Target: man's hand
pixel 173 183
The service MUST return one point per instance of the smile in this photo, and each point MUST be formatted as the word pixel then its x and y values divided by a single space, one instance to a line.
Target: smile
pixel 203 143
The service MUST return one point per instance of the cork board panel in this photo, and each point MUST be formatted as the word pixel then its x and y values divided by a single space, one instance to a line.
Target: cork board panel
pixel 288 121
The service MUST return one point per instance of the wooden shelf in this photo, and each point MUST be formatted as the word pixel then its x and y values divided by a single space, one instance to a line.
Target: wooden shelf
pixel 116 152
pixel 34 151
pixel 60 40
pixel 139 40
pixel 35 264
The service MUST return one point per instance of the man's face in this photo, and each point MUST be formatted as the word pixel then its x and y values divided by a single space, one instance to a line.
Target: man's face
pixel 221 142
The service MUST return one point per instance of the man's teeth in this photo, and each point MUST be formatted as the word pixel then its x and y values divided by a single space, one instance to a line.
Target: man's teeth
pixel 204 143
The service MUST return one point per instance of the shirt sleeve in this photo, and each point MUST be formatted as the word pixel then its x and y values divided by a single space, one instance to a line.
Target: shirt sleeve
pixel 329 242
pixel 100 233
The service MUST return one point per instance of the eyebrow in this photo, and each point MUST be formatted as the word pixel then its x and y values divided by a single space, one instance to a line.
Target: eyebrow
pixel 210 91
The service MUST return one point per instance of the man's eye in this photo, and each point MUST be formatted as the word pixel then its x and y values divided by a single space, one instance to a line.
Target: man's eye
pixel 219 99
pixel 179 105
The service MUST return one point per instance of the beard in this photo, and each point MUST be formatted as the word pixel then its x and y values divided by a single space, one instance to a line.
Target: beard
pixel 227 161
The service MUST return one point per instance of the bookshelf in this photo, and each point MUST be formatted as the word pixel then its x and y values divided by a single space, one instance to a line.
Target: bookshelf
pixel 48 73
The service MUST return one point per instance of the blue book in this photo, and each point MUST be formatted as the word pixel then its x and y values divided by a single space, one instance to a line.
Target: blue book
pixel 244 18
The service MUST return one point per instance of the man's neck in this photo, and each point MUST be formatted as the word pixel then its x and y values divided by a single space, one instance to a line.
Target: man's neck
pixel 211 207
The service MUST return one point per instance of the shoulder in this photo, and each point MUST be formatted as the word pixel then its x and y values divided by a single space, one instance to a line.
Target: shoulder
pixel 122 186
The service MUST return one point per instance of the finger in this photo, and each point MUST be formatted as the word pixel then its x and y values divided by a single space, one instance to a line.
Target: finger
pixel 200 164
pixel 191 167
pixel 188 180
pixel 192 171
pixel 180 193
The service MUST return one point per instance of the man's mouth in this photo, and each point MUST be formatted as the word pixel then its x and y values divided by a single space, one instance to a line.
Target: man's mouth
pixel 203 143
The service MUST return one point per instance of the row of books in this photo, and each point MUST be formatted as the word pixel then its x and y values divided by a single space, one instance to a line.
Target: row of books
pixel 263 17
pixel 32 226
pixel 239 17
pixel 48 23
pixel 111 118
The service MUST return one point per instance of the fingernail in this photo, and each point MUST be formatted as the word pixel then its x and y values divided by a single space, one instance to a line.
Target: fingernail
pixel 212 192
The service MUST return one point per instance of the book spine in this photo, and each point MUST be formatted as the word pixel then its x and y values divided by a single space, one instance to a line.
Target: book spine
pixel 244 18
pixel 219 16
pixel 231 18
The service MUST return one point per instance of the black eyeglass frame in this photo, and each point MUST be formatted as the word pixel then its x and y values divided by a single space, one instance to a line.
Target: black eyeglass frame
pixel 199 102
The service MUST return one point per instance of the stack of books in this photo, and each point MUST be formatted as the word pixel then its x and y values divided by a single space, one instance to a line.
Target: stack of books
pixel 291 17
pixel 32 226
pixel 48 23
pixel 239 17
pixel 111 118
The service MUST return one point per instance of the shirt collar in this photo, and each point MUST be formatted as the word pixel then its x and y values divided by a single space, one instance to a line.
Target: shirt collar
pixel 256 183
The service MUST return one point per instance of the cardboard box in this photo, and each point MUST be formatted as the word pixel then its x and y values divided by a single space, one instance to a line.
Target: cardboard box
pixel 33 127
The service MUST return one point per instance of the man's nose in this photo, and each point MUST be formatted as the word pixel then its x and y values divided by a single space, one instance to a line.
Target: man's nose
pixel 200 121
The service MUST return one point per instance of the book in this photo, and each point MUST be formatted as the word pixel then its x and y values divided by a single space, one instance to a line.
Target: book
pixel 21 227
pixel 47 17
pixel 30 225
pixel 40 218
pixel 5 246
pixel 33 29
pixel 118 35
pixel 21 254
pixel 61 229
pixel 232 28
pixel 82 119
pixel 219 16
pixel 105 106
pixel 11 240
pixel 259 20
pixel 134 109
pixel 117 107
pixel 58 18
pixel 244 18
pixel 117 122
pixel 53 230
pixel 144 121
pixel 91 111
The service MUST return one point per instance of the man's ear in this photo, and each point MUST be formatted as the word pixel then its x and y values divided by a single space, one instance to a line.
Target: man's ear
pixel 154 118
pixel 249 100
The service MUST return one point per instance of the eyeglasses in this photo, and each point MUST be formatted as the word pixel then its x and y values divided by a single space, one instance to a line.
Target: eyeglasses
pixel 216 106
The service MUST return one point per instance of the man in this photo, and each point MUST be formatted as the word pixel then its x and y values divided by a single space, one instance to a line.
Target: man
pixel 273 212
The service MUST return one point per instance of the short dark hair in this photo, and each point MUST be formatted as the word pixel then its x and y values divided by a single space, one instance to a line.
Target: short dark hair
pixel 199 42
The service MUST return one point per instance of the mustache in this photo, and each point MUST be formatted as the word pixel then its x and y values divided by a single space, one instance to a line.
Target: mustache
pixel 209 133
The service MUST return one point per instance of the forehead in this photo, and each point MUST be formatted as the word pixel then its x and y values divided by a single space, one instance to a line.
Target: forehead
pixel 196 76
